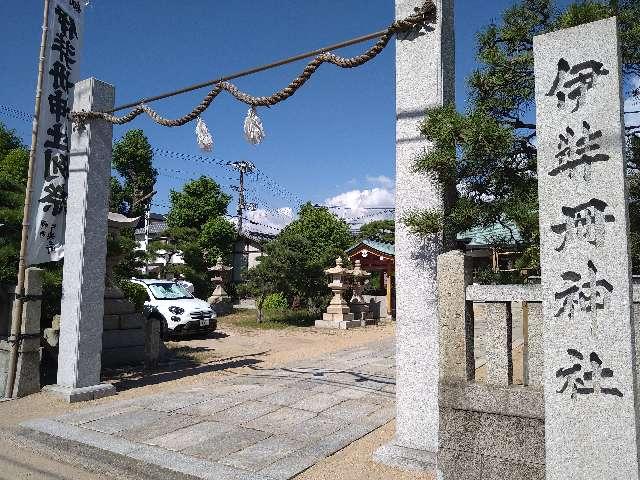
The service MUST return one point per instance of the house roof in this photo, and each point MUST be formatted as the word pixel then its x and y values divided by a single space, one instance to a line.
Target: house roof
pixel 158 227
pixel 382 247
pixel 497 233
pixel 257 236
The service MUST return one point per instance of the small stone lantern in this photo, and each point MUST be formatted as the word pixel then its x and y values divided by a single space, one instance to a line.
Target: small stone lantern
pixel 338 314
pixel 219 300
pixel 359 307
pixel 116 222
pixel 121 321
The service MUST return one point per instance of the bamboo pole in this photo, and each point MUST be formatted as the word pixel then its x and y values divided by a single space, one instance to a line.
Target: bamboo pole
pixel 16 317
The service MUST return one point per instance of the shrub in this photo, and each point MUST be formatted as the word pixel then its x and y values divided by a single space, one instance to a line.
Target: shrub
pixel 275 302
pixel 134 292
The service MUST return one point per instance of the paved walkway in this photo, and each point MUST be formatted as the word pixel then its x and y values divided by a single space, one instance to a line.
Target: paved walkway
pixel 267 425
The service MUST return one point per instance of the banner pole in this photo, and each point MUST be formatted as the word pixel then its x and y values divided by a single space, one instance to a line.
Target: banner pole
pixel 18 303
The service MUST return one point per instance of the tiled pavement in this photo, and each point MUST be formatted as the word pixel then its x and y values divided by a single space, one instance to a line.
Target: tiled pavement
pixel 269 424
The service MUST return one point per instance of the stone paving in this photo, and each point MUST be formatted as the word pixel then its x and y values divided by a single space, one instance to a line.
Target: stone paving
pixel 268 424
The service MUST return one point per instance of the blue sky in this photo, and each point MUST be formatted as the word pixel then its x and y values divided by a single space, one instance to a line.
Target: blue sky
pixel 332 142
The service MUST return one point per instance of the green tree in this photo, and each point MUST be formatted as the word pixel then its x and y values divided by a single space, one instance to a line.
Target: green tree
pixel 14 159
pixel 295 260
pixel 199 201
pixel 327 235
pixel 173 242
pixel 8 140
pixel 489 152
pixel 132 159
pixel 378 230
pixel 15 165
pixel 286 268
pixel 216 239
pixel 199 231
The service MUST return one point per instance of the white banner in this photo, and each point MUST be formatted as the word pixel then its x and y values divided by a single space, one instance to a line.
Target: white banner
pixel 51 168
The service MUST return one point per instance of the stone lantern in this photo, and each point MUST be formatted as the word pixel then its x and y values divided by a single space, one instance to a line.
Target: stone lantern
pixel 338 314
pixel 359 307
pixel 116 222
pixel 219 300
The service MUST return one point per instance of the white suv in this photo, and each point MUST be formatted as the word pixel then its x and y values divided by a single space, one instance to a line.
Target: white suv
pixel 177 310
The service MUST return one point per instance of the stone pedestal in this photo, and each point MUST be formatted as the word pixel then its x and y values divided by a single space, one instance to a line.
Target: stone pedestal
pixel 123 337
pixel 81 326
pixel 424 79
pixel 220 301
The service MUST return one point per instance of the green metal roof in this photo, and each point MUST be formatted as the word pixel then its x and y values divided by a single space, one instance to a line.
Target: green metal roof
pixel 495 234
pixel 476 237
pixel 388 248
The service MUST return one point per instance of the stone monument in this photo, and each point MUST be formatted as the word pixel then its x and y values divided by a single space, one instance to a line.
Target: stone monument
pixel 337 315
pixel 424 79
pixel 219 300
pixel 359 306
pixel 589 345
pixel 79 359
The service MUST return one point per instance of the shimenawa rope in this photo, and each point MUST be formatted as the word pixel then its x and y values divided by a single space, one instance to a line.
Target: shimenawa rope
pixel 423 15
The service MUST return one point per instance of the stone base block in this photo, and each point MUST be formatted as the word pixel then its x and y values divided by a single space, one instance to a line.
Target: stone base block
pixel 338 317
pixel 369 321
pixel 405 458
pixel 84 394
pixel 224 307
pixel 338 309
pixel 337 324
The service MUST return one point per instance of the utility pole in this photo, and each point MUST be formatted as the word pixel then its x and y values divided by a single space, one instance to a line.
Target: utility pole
pixel 243 167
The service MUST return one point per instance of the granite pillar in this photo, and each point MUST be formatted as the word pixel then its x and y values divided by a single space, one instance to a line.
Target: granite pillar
pixel 533 354
pixel 498 343
pixel 455 315
pixel 424 79
pixel 83 283
pixel 27 380
pixel 590 391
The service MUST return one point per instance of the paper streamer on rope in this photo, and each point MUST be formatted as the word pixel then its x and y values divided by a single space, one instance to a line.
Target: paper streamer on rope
pixel 205 140
pixel 253 130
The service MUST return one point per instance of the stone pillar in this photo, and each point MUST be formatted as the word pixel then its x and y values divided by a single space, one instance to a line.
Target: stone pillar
pixel 424 79
pixel 85 250
pixel 498 338
pixel 28 366
pixel 590 393
pixel 533 354
pixel 455 314
pixel 152 343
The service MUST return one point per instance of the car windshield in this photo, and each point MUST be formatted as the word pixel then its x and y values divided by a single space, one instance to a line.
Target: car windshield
pixel 168 291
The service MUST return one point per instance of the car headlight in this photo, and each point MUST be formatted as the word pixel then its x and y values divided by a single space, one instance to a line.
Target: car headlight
pixel 176 310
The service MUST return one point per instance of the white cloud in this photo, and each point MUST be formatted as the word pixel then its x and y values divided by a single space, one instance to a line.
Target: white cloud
pixel 268 221
pixel 382 180
pixel 361 206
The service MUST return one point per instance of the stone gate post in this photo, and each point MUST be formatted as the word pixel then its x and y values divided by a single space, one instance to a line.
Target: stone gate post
pixel 590 391
pixel 81 321
pixel 424 79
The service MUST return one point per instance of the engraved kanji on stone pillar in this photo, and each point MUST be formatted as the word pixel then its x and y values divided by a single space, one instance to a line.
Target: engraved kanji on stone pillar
pixel 589 358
